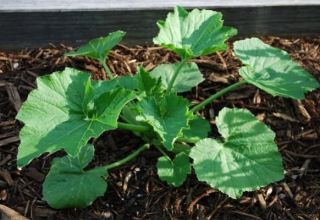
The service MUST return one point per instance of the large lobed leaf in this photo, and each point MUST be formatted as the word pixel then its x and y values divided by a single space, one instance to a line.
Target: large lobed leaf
pixel 99 48
pixel 246 159
pixel 193 34
pixel 68 185
pixel 64 112
pixel 188 77
pixel 272 70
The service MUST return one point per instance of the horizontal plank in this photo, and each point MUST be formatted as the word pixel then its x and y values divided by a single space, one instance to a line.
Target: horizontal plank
pixel 112 5
pixel 37 29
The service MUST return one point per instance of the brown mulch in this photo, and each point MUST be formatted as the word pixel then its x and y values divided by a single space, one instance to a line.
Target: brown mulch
pixel 135 191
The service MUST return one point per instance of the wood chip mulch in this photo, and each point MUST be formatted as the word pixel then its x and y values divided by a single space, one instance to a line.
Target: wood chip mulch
pixel 135 191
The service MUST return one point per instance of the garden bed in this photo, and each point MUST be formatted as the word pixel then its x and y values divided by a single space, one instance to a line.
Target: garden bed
pixel 135 191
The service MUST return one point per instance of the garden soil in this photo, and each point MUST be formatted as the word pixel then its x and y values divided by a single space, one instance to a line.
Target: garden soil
pixel 134 190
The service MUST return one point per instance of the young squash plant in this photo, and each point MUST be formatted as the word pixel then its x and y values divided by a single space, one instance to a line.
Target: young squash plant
pixel 68 109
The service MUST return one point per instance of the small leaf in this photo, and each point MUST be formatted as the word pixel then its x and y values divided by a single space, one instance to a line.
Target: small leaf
pixel 167 115
pixel 98 48
pixel 193 34
pixel 67 185
pixel 247 159
pixel 188 77
pixel 148 84
pixel 272 69
pixel 64 113
pixel 199 129
pixel 174 172
pixel 140 82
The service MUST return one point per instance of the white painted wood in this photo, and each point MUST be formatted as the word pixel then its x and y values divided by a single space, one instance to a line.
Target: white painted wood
pixel 113 5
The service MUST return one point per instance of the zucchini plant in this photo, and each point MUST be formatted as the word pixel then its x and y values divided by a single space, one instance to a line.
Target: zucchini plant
pixel 68 109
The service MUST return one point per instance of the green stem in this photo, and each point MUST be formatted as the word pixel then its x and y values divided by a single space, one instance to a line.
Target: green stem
pixel 217 95
pixel 175 74
pixel 143 128
pixel 178 148
pixel 163 152
pixel 187 140
pixel 106 68
pixel 131 156
pixel 132 127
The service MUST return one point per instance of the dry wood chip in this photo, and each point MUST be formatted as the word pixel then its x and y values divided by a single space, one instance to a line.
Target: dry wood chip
pixel 287 189
pixel 261 200
pixel 34 174
pixel 14 96
pixel 219 79
pixel 284 117
pixel 6 176
pixel 304 167
pixel 301 111
pixel 10 214
pixel 9 140
pixel 5 160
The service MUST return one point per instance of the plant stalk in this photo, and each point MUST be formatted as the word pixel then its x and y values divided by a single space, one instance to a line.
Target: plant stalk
pixel 175 74
pixel 163 152
pixel 125 160
pixel 106 68
pixel 217 95
pixel 132 127
pixel 143 128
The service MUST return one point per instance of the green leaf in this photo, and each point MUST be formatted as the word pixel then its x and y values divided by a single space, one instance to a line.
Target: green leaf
pixel 98 48
pixel 64 113
pixel 148 84
pixel 188 77
pixel 272 69
pixel 167 115
pixel 67 185
pixel 199 129
pixel 247 159
pixel 174 172
pixel 125 82
pixel 141 82
pixel 193 34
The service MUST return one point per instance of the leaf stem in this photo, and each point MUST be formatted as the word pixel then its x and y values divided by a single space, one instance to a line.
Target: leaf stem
pixel 106 68
pixel 175 74
pixel 132 127
pixel 187 140
pixel 217 95
pixel 143 128
pixel 131 156
pixel 163 152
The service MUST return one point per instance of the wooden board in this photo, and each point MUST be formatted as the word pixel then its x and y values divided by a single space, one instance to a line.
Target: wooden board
pixel 111 5
pixel 24 24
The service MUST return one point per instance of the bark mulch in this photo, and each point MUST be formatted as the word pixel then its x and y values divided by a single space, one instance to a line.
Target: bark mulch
pixel 135 191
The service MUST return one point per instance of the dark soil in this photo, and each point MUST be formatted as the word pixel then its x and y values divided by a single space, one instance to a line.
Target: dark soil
pixel 135 191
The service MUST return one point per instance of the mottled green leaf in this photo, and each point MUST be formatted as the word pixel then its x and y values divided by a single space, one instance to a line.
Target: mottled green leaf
pixel 174 172
pixel 64 113
pixel 193 34
pixel 167 115
pixel 98 48
pixel 272 70
pixel 67 185
pixel 189 76
pixel 246 158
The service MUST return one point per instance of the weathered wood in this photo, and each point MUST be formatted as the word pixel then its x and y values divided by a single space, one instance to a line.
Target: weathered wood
pixel 111 5
pixel 27 26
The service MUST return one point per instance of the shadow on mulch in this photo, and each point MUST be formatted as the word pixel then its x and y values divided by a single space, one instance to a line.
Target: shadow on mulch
pixel 135 191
